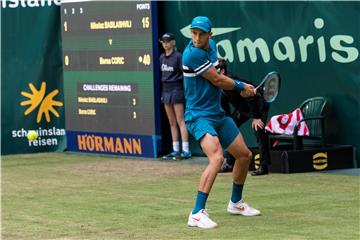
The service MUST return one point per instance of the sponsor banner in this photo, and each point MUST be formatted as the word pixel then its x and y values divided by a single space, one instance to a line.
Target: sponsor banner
pixel 28 3
pixel 310 43
pixel 31 77
pixel 110 143
pixel 49 139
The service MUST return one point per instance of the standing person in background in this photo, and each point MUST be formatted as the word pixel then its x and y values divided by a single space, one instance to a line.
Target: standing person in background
pixel 245 108
pixel 207 122
pixel 173 96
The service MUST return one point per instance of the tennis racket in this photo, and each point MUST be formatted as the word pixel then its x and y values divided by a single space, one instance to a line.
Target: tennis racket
pixel 269 87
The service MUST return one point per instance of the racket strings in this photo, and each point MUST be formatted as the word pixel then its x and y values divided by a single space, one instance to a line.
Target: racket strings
pixel 271 88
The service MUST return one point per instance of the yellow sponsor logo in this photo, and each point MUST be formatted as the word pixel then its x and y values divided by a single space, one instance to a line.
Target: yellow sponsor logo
pixel 38 99
pixel 257 161
pixel 320 160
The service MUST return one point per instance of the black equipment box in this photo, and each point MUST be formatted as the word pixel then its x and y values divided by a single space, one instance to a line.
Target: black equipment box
pixel 286 160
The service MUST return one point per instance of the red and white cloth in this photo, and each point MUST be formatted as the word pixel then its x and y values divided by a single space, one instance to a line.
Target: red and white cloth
pixel 285 124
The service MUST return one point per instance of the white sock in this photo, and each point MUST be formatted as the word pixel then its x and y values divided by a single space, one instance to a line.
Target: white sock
pixel 185 146
pixel 176 146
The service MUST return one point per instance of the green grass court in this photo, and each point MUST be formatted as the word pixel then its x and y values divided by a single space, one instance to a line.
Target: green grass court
pixel 72 196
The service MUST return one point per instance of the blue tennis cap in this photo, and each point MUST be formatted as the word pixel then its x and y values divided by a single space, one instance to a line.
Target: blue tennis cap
pixel 202 23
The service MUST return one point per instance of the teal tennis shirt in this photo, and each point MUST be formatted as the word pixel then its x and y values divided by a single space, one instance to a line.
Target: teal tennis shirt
pixel 202 97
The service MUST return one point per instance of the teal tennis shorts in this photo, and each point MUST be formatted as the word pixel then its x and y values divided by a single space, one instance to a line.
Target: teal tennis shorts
pixel 223 127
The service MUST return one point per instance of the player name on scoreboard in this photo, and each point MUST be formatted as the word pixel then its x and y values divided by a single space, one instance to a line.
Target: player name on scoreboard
pixel 111 24
pixel 112 60
pixel 100 100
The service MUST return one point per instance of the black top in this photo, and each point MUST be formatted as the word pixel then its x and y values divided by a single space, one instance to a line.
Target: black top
pixel 171 68
pixel 252 107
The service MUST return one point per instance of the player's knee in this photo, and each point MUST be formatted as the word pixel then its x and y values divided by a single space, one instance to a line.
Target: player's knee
pixel 217 161
pixel 246 156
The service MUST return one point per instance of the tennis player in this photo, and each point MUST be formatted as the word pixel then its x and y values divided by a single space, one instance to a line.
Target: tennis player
pixel 206 121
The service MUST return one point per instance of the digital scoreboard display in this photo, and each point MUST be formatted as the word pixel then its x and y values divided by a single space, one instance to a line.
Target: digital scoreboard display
pixel 109 79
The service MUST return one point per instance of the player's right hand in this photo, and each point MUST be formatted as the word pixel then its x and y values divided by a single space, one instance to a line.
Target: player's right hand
pixel 248 91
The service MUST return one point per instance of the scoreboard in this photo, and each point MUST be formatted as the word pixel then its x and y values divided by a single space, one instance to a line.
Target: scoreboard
pixel 110 87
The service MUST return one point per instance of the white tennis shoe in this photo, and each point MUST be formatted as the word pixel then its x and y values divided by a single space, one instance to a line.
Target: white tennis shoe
pixel 242 208
pixel 201 219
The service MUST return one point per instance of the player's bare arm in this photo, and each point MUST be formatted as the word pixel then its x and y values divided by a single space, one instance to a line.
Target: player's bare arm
pixel 226 83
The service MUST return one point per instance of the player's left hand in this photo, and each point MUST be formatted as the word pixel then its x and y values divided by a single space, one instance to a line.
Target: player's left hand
pixel 257 124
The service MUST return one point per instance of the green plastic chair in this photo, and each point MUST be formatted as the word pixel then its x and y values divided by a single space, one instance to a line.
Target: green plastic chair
pixel 313 113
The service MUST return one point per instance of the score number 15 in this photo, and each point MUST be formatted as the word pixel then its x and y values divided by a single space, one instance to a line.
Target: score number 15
pixel 145 22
